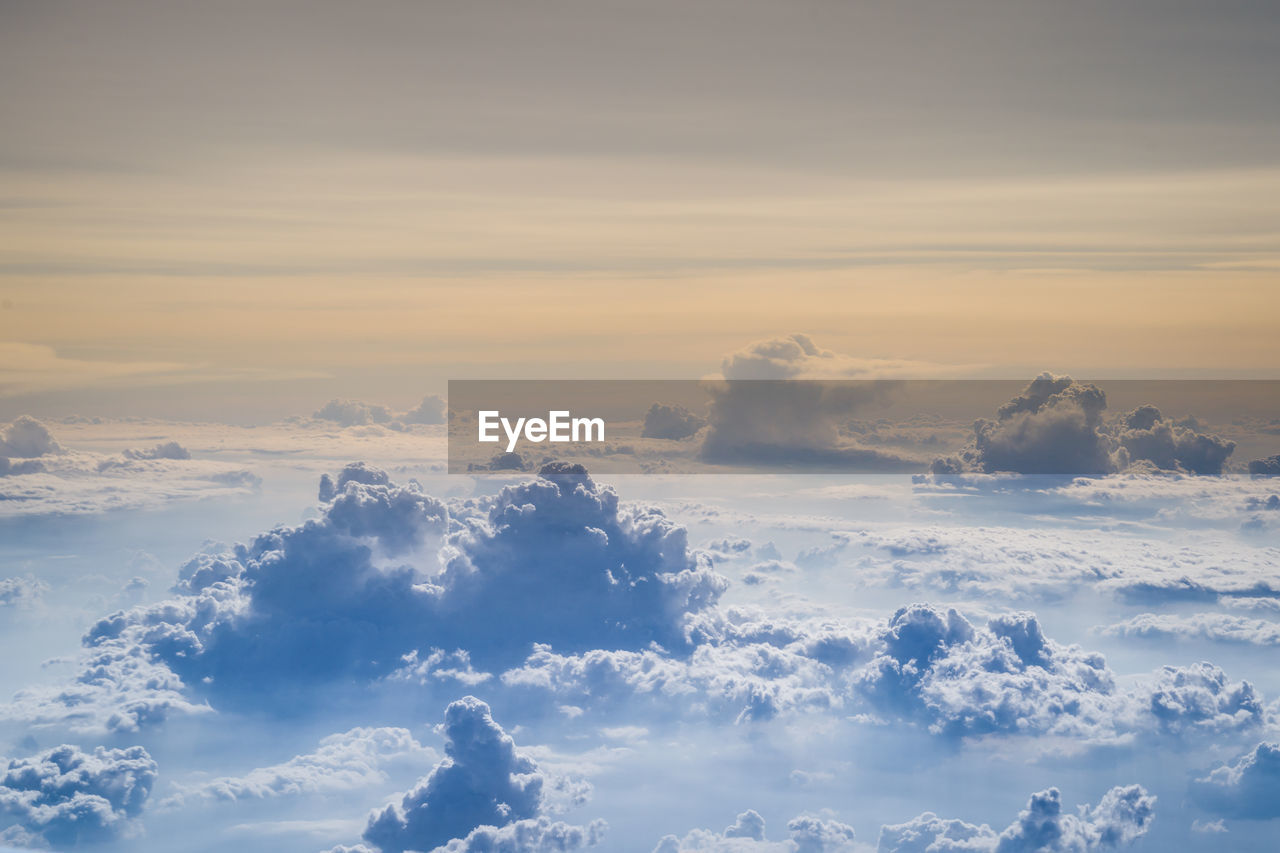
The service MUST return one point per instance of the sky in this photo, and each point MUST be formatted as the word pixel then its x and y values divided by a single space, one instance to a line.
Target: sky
pixel 249 600
pixel 250 196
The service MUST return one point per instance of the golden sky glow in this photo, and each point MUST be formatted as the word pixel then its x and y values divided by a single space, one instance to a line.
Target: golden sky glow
pixel 424 219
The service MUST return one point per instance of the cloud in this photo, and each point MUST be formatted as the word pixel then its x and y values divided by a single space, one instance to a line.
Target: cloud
pixel 1249 788
pixel 57 480
pixel 1214 627
pixel 386 570
pixel 163 450
pixel 672 422
pixel 1123 815
pixel 536 835
pixel 1056 426
pixel 348 413
pixel 430 411
pixel 745 667
pixel 22 592
pixel 796 356
pixel 1008 678
pixel 66 796
pixel 27 438
pixel 1266 467
pixel 483 793
pixel 747 835
pixel 343 762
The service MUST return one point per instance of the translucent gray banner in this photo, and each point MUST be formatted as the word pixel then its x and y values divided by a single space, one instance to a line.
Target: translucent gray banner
pixel 1049 426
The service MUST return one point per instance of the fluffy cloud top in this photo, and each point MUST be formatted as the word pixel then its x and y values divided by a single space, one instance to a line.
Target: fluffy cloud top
pixel 1266 467
pixel 387 570
pixel 164 450
pixel 483 796
pixel 1249 788
pixel 1123 815
pixel 670 422
pixel 27 438
pixel 349 413
pixel 429 411
pixel 1216 627
pixel 1056 426
pixel 66 796
pixel 747 835
pixel 798 357
pixel 1009 678
pixel 343 762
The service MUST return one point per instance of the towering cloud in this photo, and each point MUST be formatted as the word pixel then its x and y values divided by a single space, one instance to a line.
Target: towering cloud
pixel 482 786
pixel 387 570
pixel 1121 817
pixel 1056 426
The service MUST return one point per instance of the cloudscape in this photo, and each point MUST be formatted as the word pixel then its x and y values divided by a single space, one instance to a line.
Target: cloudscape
pixel 717 427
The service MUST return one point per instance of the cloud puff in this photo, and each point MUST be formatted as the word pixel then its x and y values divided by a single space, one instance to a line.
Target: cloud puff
pixel 1123 815
pixel 744 667
pixel 66 796
pixel 1266 467
pixel 798 357
pixel 430 411
pixel 1215 627
pixel 1009 678
pixel 164 450
pixel 482 783
pixel 61 481
pixel 747 835
pixel 536 835
pixel 21 592
pixel 1056 426
pixel 670 422
pixel 348 413
pixel 386 570
pixel 27 438
pixel 353 413
pixel 1249 788
pixel 343 762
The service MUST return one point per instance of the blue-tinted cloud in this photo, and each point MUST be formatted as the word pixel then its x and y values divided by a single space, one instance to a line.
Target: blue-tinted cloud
pixel 484 794
pixel 1123 815
pixel 1249 788
pixel 66 796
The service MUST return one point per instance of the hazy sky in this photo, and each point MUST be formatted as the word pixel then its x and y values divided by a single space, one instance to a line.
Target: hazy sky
pixel 279 197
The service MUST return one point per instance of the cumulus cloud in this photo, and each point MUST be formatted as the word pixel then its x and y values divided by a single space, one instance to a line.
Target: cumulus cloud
pixel 809 834
pixel 343 762
pixel 959 680
pixel 485 795
pixel 386 570
pixel 66 796
pixel 349 413
pixel 430 411
pixel 1214 627
pixel 21 592
pixel 1266 467
pixel 1123 815
pixel 353 413
pixel 798 357
pixel 536 835
pixel 27 438
pixel 164 450
pixel 745 667
pixel 672 422
pixel 63 481
pixel 1248 788
pixel 1056 426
